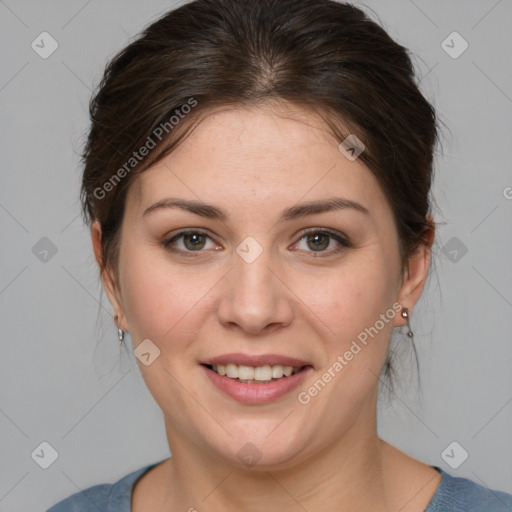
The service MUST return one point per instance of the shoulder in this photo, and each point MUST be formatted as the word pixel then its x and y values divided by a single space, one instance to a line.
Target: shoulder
pixel 96 496
pixel 457 494
pixel 112 497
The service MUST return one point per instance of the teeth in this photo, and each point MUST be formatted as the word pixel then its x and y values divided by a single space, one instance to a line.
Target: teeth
pixel 259 373
pixel 245 372
pixel 232 371
pixel 263 372
pixel 277 371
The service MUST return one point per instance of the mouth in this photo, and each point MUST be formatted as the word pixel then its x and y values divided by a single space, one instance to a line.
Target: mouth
pixel 256 380
pixel 255 374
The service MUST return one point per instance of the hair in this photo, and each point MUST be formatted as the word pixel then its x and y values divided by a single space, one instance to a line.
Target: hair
pixel 319 55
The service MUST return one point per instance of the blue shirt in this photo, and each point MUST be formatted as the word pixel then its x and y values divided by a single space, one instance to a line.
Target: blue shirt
pixel 454 494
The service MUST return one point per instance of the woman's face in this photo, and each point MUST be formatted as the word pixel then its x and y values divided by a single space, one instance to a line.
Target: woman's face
pixel 290 258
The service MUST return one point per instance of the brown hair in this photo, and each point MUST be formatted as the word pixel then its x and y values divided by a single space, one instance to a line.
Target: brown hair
pixel 317 54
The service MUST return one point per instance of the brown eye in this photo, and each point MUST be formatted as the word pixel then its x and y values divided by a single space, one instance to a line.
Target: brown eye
pixel 194 241
pixel 190 241
pixel 318 241
pixel 322 241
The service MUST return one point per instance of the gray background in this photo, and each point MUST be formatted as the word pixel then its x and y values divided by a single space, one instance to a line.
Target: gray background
pixel 63 380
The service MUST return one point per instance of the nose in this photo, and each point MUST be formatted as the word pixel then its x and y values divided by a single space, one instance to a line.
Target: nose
pixel 254 298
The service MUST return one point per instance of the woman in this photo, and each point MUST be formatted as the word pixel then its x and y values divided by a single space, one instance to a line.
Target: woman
pixel 257 180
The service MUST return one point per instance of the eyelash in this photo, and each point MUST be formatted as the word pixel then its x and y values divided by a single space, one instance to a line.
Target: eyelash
pixel 343 242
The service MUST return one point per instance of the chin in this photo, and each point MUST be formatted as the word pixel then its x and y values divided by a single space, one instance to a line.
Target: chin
pixel 254 449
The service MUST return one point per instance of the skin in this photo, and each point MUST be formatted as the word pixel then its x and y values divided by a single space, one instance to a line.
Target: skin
pixel 291 300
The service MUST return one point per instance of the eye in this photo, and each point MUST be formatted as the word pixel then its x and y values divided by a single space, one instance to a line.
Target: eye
pixel 190 241
pixel 323 241
pixel 318 241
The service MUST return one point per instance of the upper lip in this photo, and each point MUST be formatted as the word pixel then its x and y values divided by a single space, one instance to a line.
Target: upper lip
pixel 256 360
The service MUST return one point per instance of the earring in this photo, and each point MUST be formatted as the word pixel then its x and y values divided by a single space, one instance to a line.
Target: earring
pixel 120 332
pixel 405 314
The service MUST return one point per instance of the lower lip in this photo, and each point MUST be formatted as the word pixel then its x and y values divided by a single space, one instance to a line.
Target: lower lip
pixel 257 393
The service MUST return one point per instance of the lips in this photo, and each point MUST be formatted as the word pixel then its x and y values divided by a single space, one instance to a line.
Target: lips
pixel 257 390
pixel 256 360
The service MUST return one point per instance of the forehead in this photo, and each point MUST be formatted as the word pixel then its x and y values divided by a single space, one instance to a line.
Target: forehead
pixel 258 156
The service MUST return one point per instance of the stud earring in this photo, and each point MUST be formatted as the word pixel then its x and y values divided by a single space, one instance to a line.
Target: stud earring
pixel 120 332
pixel 405 314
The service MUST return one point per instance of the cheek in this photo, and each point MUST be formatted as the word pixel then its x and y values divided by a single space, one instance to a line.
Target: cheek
pixel 164 305
pixel 161 301
pixel 356 342
pixel 353 298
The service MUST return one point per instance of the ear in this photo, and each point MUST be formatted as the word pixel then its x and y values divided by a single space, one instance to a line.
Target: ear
pixel 416 274
pixel 108 277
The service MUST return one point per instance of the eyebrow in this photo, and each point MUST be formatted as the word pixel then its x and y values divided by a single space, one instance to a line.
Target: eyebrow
pixel 294 212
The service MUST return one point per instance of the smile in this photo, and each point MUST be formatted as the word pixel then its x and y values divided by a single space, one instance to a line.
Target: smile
pixel 258 374
pixel 256 385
